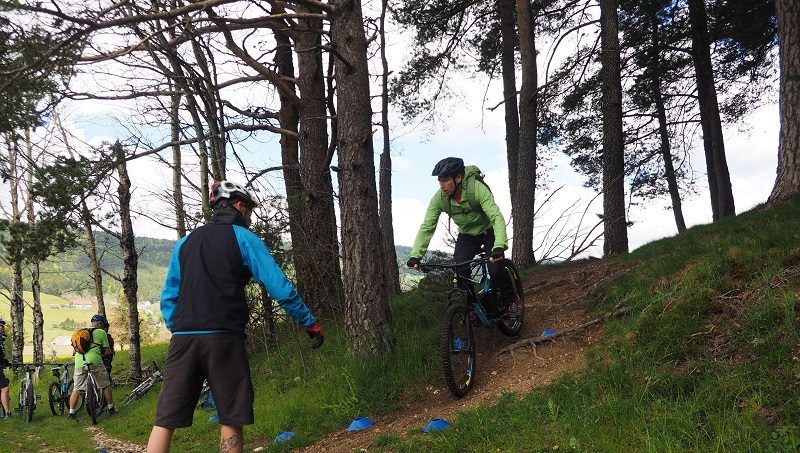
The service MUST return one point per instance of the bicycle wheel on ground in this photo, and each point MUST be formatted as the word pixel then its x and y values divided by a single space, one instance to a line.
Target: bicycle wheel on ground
pixel 91 401
pixel 511 320
pixel 457 347
pixel 29 406
pixel 139 391
pixel 55 399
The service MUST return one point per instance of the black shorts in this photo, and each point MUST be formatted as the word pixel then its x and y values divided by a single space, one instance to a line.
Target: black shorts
pixel 3 379
pixel 222 359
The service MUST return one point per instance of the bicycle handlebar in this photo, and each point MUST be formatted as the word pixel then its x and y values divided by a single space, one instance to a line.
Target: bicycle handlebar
pixel 428 267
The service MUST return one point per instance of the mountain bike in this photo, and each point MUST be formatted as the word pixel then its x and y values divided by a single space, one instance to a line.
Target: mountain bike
pixel 206 400
pixel 142 389
pixel 95 399
pixel 489 307
pixel 27 397
pixel 59 391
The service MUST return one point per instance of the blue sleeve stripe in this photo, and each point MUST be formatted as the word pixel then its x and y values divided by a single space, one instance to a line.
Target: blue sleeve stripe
pixel 266 271
pixel 172 285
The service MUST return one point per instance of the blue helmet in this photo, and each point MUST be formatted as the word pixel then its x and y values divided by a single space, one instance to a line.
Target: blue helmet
pixel 100 318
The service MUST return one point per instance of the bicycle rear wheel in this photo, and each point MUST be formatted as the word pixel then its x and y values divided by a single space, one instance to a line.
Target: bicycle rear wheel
pixel 457 347
pixel 139 391
pixel 511 320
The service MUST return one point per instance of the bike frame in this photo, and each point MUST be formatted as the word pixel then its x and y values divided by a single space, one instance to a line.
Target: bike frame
pixel 26 386
pixel 91 385
pixel 482 282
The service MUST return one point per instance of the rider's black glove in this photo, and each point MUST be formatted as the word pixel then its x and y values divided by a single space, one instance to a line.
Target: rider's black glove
pixel 412 262
pixel 314 332
pixel 497 254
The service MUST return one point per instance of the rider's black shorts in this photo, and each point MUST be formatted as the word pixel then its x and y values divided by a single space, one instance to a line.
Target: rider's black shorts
pixel 222 359
pixel 3 379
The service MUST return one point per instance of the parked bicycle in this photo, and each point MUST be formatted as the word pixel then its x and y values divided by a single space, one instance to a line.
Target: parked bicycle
pixel 95 399
pixel 27 397
pixel 142 389
pixel 488 308
pixel 59 391
pixel 206 400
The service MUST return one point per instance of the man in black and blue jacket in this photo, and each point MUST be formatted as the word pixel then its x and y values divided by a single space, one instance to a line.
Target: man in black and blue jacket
pixel 204 306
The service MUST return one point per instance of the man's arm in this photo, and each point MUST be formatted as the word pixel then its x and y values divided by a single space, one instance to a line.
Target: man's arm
pixel 266 271
pixel 484 196
pixel 428 227
pixel 172 285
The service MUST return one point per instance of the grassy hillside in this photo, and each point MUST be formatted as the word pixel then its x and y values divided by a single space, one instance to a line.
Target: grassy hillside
pixel 706 361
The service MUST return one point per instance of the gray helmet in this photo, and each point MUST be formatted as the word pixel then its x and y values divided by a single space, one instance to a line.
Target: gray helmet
pixel 449 166
pixel 229 190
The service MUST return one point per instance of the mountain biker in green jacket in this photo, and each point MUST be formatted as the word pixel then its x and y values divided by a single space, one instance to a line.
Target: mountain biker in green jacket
pixel 469 202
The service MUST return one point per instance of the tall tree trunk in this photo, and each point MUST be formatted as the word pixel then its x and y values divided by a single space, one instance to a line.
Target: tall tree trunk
pixel 614 225
pixel 15 258
pixel 719 180
pixel 508 67
pixel 214 120
pixel 290 158
pixel 787 183
pixel 367 315
pixel 661 112
pixel 202 149
pixel 320 252
pixel 525 189
pixel 36 287
pixel 385 176
pixel 94 262
pixel 130 260
pixel 177 170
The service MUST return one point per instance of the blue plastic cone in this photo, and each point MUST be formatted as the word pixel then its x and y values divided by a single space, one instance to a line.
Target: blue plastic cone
pixel 436 424
pixel 359 423
pixel 283 437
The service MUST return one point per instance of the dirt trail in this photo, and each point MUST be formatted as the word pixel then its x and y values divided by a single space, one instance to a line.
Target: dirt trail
pixel 553 300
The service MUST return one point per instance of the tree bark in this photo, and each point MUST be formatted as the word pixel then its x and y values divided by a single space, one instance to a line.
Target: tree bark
pixel 508 39
pixel 787 183
pixel 367 315
pixel 36 287
pixel 290 160
pixel 320 252
pixel 523 208
pixel 130 260
pixel 661 112
pixel 385 176
pixel 94 262
pixel 719 180
pixel 177 175
pixel 15 258
pixel 614 224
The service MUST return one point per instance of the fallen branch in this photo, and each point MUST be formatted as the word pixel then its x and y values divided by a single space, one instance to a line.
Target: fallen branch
pixel 533 341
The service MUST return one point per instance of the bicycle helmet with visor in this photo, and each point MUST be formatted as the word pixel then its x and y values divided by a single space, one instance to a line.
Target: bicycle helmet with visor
pixel 449 167
pixel 228 190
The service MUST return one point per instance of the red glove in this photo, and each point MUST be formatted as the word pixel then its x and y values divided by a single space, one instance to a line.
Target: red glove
pixel 314 331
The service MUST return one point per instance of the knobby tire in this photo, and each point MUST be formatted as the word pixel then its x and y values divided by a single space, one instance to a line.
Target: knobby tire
pixel 29 402
pixel 55 399
pixel 511 327
pixel 91 400
pixel 457 347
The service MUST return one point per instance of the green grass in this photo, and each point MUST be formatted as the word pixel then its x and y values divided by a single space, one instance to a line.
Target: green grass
pixel 707 361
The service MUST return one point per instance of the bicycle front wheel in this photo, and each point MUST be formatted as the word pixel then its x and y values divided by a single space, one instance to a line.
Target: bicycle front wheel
pixel 457 347
pixel 55 399
pixel 28 407
pixel 139 391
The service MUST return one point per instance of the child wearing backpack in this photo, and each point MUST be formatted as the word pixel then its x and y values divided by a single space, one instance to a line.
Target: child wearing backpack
pixel 90 345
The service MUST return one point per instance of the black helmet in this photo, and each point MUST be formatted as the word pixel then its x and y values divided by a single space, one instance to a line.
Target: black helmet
pixel 449 166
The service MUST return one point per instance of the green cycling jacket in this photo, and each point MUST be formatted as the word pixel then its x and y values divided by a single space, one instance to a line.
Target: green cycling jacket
pixel 471 220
